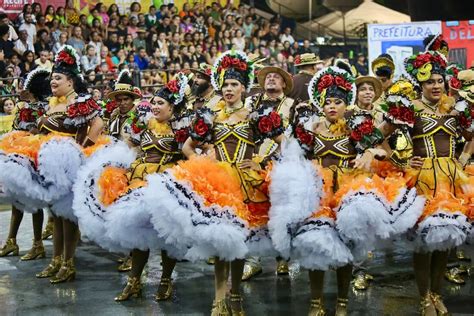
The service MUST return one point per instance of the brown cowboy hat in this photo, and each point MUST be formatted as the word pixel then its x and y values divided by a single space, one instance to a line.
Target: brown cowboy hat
pixel 373 81
pixel 262 74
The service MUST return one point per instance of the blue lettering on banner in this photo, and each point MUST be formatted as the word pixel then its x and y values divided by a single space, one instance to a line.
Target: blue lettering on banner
pixel 402 31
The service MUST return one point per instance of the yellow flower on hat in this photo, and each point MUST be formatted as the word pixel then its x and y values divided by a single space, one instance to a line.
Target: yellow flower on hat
pixel 424 73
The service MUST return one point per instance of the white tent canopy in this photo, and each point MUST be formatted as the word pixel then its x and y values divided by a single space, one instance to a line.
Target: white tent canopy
pixel 368 12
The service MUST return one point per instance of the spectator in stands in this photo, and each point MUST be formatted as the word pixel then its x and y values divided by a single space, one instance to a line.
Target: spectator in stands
pixel 23 43
pixel 43 42
pixel 96 41
pixel 62 41
pixel 5 20
pixel 140 40
pixel 49 13
pixel 90 61
pixel 76 40
pixel 105 58
pixel 112 43
pixel 28 63
pixel 361 65
pixel 287 37
pixel 44 60
pixel 305 49
pixel 29 26
pixel 6 45
pixel 151 19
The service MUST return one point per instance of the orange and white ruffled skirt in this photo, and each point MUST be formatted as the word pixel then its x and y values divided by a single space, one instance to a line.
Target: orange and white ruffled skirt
pixel 39 170
pixel 444 223
pixel 342 213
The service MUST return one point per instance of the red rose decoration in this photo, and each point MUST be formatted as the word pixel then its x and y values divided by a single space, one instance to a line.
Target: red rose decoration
pixel 304 137
pixel 298 60
pixel 110 106
pixel 172 86
pixel 135 128
pixel 421 60
pixel 276 119
pixel 26 115
pixel 208 72
pixel 455 71
pixel 325 81
pixel 366 128
pixel 340 81
pixel 455 83
pixel 226 62
pixel 265 125
pixel 235 62
pixel 243 65
pixel 181 135
pixel 394 111
pixel 69 60
pixel 200 128
pixel 407 116
pixel 83 108
pixel 348 86
pixel 356 136
pixel 436 45
pixel 72 111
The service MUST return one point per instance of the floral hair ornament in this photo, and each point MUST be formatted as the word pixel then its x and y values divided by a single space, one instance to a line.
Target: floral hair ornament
pixel 332 82
pixel 398 106
pixel 436 43
pixel 421 66
pixel 174 91
pixel 67 61
pixel 232 65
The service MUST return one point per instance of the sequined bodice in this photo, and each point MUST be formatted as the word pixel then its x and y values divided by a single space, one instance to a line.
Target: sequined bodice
pixel 333 151
pixel 160 149
pixel 434 136
pixel 234 143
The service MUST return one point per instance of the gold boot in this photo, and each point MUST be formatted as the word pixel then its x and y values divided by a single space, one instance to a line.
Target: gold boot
pixel 165 289
pixel 236 300
pixel 251 270
pixel 132 289
pixel 316 308
pixel 361 281
pixel 52 268
pixel 36 252
pixel 426 306
pixel 453 275
pixel 126 266
pixel 48 230
pixel 67 272
pixel 219 308
pixel 10 247
pixel 341 307
pixel 282 268
pixel 439 305
pixel 211 261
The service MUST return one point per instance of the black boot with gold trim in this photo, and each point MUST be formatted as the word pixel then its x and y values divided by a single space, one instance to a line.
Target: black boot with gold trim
pixel 317 307
pixel 236 305
pixel 341 307
pixel 165 289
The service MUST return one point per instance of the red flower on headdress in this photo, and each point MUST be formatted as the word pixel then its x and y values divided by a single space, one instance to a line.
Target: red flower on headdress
pixel 455 83
pixel 298 60
pixel 66 58
pixel 437 43
pixel 438 59
pixel 243 65
pixel 172 86
pixel 325 81
pixel 26 115
pixel 421 60
pixel 226 62
pixel 367 127
pixel 208 72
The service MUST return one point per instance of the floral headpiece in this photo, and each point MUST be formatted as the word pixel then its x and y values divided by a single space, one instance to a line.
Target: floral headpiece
pixel 232 65
pixel 332 82
pixel 421 66
pixel 67 61
pixel 174 90
pixel 383 66
pixel 452 72
pixel 436 43
pixel 398 106
pixel 37 83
